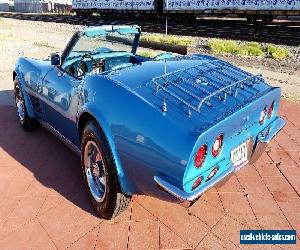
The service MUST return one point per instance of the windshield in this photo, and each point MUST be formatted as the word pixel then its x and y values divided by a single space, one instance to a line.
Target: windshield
pixel 102 42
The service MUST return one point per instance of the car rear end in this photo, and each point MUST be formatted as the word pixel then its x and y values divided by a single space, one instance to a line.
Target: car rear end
pixel 235 132
pixel 233 142
pixel 228 146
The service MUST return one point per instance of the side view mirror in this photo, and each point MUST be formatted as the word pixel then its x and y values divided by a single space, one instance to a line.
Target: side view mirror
pixel 55 59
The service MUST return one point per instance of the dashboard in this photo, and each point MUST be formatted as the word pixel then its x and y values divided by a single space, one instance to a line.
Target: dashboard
pixel 88 64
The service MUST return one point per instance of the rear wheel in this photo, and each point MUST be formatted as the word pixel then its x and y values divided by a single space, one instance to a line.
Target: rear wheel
pixel 26 122
pixel 99 172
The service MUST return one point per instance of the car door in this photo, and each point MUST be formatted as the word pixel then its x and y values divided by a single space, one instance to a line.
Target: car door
pixel 60 103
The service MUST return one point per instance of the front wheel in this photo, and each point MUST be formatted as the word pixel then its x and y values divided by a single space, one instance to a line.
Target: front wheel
pixel 26 122
pixel 99 172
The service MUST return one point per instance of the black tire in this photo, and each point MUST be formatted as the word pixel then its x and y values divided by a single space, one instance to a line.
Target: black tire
pixel 26 122
pixel 114 201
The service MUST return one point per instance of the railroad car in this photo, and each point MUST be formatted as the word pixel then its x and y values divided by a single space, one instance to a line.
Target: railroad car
pixel 253 10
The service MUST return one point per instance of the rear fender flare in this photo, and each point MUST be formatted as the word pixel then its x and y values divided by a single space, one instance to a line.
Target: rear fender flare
pixel 104 125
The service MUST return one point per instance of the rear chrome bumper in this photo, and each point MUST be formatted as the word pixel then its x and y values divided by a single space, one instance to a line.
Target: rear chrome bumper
pixel 187 199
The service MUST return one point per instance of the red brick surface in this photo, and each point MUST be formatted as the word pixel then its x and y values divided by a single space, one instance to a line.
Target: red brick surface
pixel 43 204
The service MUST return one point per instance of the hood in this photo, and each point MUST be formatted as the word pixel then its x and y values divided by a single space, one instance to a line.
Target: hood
pixel 196 88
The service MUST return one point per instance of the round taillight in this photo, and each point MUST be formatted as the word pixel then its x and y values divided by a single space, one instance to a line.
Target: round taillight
pixel 216 148
pixel 197 182
pixel 263 116
pixel 200 156
pixel 270 110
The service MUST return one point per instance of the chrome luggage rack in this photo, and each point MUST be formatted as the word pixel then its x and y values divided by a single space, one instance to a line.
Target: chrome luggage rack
pixel 222 88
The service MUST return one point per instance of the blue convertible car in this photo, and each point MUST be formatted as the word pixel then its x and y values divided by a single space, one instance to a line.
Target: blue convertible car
pixel 169 127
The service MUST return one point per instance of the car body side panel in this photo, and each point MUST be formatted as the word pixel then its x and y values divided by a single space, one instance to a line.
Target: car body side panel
pixel 143 145
pixel 59 100
pixel 49 97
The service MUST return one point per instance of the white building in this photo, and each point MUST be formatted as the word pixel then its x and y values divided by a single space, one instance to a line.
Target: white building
pixel 39 6
pixel 6 4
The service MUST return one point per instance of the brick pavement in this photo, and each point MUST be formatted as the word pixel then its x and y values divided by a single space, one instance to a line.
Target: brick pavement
pixel 43 204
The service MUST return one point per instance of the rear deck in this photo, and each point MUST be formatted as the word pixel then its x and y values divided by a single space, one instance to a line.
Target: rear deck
pixel 210 88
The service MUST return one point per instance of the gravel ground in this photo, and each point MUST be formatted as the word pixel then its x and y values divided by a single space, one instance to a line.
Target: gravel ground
pixel 290 65
pixel 28 39
pixel 284 73
pixel 39 39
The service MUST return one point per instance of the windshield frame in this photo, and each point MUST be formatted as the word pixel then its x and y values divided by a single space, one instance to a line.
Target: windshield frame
pixel 77 35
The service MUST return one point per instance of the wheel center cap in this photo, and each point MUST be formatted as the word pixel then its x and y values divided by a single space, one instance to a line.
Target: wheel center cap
pixel 95 170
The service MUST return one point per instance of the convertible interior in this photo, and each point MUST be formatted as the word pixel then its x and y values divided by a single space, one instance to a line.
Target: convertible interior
pixel 104 49
pixel 106 61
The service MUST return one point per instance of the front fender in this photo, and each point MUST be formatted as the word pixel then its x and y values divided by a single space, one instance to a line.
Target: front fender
pixel 21 78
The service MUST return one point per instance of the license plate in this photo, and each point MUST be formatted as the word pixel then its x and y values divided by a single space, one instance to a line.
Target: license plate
pixel 239 155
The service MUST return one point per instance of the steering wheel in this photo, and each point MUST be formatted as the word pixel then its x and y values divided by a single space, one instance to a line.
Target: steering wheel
pixel 82 68
pixel 99 66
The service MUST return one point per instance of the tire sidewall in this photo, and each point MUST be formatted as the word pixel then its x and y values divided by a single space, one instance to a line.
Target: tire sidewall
pixel 18 91
pixel 106 207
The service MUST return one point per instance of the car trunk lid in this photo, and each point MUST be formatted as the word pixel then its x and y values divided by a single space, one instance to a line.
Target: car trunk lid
pixel 201 88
